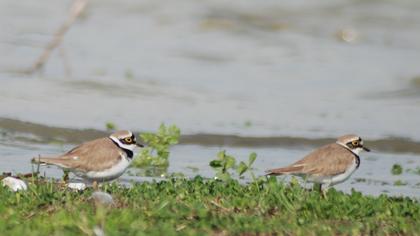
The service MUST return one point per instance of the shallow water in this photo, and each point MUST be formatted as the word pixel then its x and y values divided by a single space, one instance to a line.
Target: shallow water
pixel 373 177
pixel 278 78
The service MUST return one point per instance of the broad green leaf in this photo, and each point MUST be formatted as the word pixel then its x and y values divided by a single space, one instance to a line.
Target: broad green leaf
pixel 230 162
pixel 223 176
pixel 221 154
pixel 252 158
pixel 242 168
pixel 216 163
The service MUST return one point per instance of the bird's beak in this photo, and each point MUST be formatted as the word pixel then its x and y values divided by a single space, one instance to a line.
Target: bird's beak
pixel 139 145
pixel 366 149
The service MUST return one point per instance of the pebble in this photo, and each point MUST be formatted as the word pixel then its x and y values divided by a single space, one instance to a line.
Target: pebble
pixel 14 184
pixel 348 35
pixel 77 186
pixel 102 198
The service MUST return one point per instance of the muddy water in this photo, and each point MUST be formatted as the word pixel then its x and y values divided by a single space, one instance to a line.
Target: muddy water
pixel 275 77
pixel 254 69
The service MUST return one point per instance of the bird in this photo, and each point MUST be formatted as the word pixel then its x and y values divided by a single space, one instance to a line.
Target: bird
pixel 99 160
pixel 328 165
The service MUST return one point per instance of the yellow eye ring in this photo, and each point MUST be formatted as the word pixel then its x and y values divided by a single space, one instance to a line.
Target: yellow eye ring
pixel 355 143
pixel 128 140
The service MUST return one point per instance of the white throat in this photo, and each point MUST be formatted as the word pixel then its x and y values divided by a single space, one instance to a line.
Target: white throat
pixel 357 150
pixel 130 147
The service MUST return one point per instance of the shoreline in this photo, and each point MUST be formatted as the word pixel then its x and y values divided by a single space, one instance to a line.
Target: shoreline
pixel 44 134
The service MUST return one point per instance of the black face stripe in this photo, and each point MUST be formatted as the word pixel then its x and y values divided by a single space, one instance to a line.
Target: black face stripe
pixel 129 153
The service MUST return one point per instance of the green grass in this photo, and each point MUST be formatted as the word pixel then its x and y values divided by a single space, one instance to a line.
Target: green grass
pixel 208 207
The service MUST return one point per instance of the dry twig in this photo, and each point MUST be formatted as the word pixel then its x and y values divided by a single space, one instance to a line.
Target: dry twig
pixel 76 9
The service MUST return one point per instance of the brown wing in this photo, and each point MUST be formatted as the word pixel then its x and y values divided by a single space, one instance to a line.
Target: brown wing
pixel 95 155
pixel 331 159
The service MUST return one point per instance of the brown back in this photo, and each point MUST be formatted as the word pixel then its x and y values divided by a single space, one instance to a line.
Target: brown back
pixel 96 155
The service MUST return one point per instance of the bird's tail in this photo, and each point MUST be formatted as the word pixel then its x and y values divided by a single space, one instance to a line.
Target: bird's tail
pixel 47 161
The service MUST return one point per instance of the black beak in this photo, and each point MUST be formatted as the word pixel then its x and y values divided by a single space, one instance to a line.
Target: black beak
pixel 366 149
pixel 139 145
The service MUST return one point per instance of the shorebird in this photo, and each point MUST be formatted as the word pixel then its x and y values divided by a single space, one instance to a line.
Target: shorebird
pixel 328 165
pixel 99 160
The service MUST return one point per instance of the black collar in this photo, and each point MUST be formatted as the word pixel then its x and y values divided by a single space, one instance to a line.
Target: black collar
pixel 129 153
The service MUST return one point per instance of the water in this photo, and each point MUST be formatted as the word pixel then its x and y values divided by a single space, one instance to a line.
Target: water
pixel 373 177
pixel 253 69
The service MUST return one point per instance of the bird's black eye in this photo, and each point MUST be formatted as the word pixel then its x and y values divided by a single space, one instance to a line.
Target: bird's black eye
pixel 355 143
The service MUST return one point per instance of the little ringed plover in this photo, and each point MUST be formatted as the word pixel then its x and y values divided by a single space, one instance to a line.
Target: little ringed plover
pixel 99 160
pixel 328 165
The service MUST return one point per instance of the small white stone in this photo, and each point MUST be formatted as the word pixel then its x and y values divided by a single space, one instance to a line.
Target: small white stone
pixel 98 231
pixel 14 184
pixel 77 186
pixel 348 35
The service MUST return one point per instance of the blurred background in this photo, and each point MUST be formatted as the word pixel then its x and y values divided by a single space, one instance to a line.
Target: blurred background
pixel 276 77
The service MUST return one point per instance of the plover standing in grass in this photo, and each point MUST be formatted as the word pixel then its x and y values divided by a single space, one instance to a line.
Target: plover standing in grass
pixel 99 160
pixel 328 165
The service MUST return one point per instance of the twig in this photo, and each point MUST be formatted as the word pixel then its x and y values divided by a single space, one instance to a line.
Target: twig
pixel 76 9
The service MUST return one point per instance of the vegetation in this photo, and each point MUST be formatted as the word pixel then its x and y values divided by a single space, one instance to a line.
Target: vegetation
pixel 396 169
pixel 219 206
pixel 224 165
pixel 415 171
pixel 156 152
pixel 110 126
pixel 199 206
pixel 400 183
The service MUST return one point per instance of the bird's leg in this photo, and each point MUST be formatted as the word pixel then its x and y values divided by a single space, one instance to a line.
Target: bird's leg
pixel 318 187
pixel 65 177
pixel 325 190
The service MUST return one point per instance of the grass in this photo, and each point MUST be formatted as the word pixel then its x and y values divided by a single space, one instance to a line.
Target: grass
pixel 180 206
pixel 208 207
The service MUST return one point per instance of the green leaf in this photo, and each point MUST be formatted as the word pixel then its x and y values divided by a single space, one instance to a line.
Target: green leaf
pixel 230 162
pixel 223 176
pixel 221 154
pixel 216 164
pixel 242 168
pixel 252 158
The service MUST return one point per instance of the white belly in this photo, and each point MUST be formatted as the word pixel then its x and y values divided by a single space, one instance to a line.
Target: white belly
pixel 344 176
pixel 108 174
pixel 336 179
